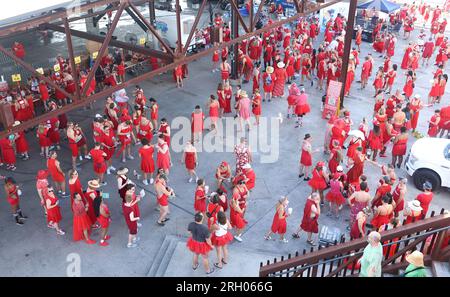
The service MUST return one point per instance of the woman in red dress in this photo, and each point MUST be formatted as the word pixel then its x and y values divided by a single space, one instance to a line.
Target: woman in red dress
pixel 21 142
pixel 378 82
pixel 405 59
pixel 268 82
pixel 213 106
pixel 197 124
pixel 335 157
pixel 358 166
pixel 383 213
pixel 44 139
pixel 350 78
pixel 147 163
pixel 306 157
pixel 225 70
pixel 215 60
pixel 163 156
pixel 319 180
pixel 131 219
pixel 256 106
pixel 358 229
pixel 53 211
pixel 212 210
pixel 399 147
pixel 103 219
pixel 190 159
pixel 13 197
pixel 57 174
pixel 399 195
pixel 334 196
pixel 306 68
pixel 290 70
pixel 98 161
pixel 90 196
pixel 442 85
pixel 163 192
pixel 81 221
pixel 310 221
pixel 375 140
pixel 178 71
pixel 413 212
pixel 125 134
pixel 228 92
pixel 7 152
pixel 237 220
pixel 279 224
pixel 255 80
pixel 408 88
pixel 200 197
pixel 433 126
pixel 164 130
pixel 415 105
pixel 280 79
pixel 321 72
pixel 75 186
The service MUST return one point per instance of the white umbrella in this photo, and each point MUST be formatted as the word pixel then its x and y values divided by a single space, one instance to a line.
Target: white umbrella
pixel 357 134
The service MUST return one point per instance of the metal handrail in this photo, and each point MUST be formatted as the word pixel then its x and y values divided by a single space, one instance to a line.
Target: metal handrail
pixel 322 262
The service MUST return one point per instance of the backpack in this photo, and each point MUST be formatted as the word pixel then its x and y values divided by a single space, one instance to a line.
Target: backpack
pixel 268 80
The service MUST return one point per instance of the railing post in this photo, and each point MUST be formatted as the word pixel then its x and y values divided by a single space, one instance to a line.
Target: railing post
pixel 436 252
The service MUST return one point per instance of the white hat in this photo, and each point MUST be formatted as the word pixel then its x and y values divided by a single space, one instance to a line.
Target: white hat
pixel 122 171
pixel 414 205
pixel 280 65
pixel 98 115
pixel 16 123
pixel 94 184
pixel 302 90
pixel 416 96
pixel 339 169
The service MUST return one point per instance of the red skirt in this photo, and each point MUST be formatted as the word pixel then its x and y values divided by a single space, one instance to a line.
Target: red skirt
pixel 337 198
pixel 54 215
pixel 9 157
pixel 196 247
pixel 221 240
pixel 310 225
pixel 100 168
pixel 147 167
pixel 103 222
pixel 81 223
pixel 268 88
pixel 256 110
pixel 278 226
pixel 302 109
pixel 200 205
pixel 12 201
pixel 74 148
pixel 399 149
pixel 22 145
pixel 317 184
pixel 190 161
pixel 305 158
pixel 290 71
pixel 291 100
pixel 236 220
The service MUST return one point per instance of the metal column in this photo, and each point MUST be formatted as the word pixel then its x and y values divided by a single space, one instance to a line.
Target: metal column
pixel 234 52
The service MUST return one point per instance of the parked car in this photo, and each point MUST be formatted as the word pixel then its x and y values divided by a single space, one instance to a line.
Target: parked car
pixel 429 160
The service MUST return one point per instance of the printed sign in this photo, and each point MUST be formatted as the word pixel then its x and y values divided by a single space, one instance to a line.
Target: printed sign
pixel 94 55
pixel 142 41
pixel 77 60
pixel 56 67
pixel 16 77
pixel 332 101
pixel 40 70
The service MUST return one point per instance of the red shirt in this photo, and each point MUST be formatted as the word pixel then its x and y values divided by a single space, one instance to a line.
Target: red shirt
pixel 97 155
pixel 425 200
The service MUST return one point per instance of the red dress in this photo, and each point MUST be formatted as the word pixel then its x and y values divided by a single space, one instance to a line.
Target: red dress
pixel 354 231
pixel 309 224
pixel 375 141
pixel 44 140
pixel 132 225
pixel 268 82
pixel 333 163
pixel 74 189
pixel 81 221
pixel 236 219
pixel 433 128
pixel 356 171
pixel 279 225
pixel 189 160
pixel 21 143
pixel 228 95
pixel 305 158
pixel 98 161
pixel 163 199
pixel 163 129
pixel 90 202
pixel 408 89
pixel 318 181
pixel 53 214
pixel 8 154
pixel 57 176
pixel 399 206
pixel 147 162
pixel 200 204
pixel 335 193
pixel 399 148
pixel 256 109
pixel 145 131
pixel 425 200
pixel 163 160
pixel 102 220
pixel 108 140
pixel 12 191
pixel 381 220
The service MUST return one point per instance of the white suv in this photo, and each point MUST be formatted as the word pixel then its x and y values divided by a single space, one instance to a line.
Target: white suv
pixel 429 160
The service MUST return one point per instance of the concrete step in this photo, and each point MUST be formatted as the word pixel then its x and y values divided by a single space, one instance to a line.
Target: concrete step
pixel 158 258
pixel 167 257
pixel 440 269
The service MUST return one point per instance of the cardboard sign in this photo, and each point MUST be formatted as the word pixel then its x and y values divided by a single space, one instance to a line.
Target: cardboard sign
pixel 77 60
pixel 40 70
pixel 142 41
pixel 56 67
pixel 94 55
pixel 332 101
pixel 16 77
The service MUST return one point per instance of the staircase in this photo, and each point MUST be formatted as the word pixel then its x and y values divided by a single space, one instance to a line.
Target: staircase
pixel 437 269
pixel 162 258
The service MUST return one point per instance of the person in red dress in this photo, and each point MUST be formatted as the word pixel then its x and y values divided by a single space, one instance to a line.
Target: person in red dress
pixel 379 80
pixel 57 174
pixel 190 159
pixel 163 192
pixel 375 140
pixel 42 185
pixel 237 211
pixel 147 163
pixel 268 79
pixel 444 123
pixel 13 197
pixel 164 130
pixel 442 85
pixel 98 161
pixel 90 195
pixel 413 212
pixel 335 196
pixel 53 211
pixel 408 88
pixel 228 94
pixel 154 112
pixel 358 229
pixel 310 221
pixel 433 124
pixel 163 155
pixel 7 152
pixel 223 174
pixel 225 69
pixel 383 213
pixel 131 215
pixel 426 197
pixel 103 219
pixel 279 224
pixel 256 106
pixel 349 80
pixel 321 71
pixel 212 210
pixel 18 50
pixel 306 157
pixel 335 157
pixel 125 134
pixel 178 71
pixel 75 186
pixel 319 180
pixel 81 221
pixel 215 60
pixel 399 195
pixel 306 68
pixel 280 79
pixel 399 147
pixel 365 72
pixel 108 144
pixel 44 139
pixel 390 78
pixel 21 142
pixel 200 197
pixel 384 187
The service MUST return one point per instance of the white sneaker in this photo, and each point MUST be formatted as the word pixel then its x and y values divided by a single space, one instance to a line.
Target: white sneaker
pixel 131 245
pixel 284 240
pixel 145 182
pixel 139 224
pixel 190 180
pixel 60 232
pixel 112 168
pixel 238 238
pixel 196 179
pixel 108 172
pixel 87 157
pixel 81 158
pixel 151 181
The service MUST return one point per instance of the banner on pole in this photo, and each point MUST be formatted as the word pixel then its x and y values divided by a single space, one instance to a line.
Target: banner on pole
pixel 332 100
pixel 56 67
pixel 40 70
pixel 77 60
pixel 16 77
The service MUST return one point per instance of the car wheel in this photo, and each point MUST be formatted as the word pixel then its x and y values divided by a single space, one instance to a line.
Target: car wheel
pixel 423 175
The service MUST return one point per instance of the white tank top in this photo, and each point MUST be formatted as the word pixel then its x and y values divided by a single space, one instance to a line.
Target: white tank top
pixel 222 230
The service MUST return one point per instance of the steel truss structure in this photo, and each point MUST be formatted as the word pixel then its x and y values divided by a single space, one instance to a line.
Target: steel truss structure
pixel 172 58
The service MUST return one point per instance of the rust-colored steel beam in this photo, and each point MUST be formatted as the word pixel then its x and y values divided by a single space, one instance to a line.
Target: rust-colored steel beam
pixel 29 24
pixel 133 81
pixel 32 70
pixel 194 26
pixel 72 59
pixel 347 47
pixel 257 15
pixel 152 29
pixel 104 47
pixel 178 16
pixel 250 15
pixel 116 43
pixel 241 20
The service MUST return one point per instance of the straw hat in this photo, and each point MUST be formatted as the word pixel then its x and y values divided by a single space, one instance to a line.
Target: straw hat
pixel 269 69
pixel 415 258
pixel 94 184
pixel 280 65
pixel 122 171
pixel 16 123
pixel 414 205
pixel 244 94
